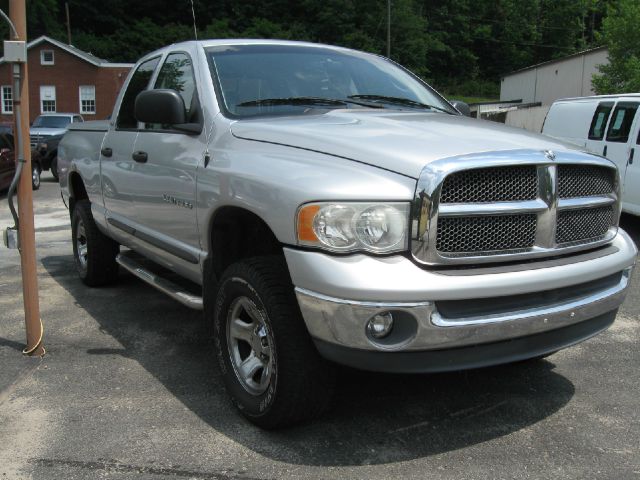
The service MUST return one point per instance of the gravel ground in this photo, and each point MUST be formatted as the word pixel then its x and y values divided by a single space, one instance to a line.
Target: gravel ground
pixel 128 389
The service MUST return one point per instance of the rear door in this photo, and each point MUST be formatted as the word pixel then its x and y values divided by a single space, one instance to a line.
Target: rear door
pixel 120 180
pixel 168 160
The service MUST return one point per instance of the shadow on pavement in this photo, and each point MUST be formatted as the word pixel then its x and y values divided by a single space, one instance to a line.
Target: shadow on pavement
pixel 376 418
pixel 631 225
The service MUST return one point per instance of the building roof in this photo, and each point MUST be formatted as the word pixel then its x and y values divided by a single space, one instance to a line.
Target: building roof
pixel 86 56
pixel 556 60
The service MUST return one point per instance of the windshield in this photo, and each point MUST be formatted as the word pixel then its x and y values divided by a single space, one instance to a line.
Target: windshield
pixel 51 121
pixel 287 79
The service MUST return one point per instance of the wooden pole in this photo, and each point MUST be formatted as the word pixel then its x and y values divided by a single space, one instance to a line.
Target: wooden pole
pixel 66 8
pixel 18 15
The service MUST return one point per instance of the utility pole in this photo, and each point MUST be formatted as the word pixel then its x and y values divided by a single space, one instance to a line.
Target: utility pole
pixel 66 8
pixel 388 28
pixel 18 15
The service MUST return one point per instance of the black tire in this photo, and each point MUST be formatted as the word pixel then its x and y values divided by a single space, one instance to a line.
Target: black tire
pixel 36 171
pixel 54 168
pixel 93 252
pixel 301 383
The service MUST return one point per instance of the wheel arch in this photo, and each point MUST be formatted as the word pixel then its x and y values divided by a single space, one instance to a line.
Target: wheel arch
pixel 236 233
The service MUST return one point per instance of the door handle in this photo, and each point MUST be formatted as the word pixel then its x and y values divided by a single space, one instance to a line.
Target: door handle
pixel 139 156
pixel 604 151
pixel 106 152
pixel 631 156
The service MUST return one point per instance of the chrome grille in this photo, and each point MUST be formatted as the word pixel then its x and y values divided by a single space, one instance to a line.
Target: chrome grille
pixel 491 185
pixel 584 181
pixel 487 233
pixel 584 225
pixel 484 208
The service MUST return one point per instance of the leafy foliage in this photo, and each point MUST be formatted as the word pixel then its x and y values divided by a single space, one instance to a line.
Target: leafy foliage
pixel 457 45
pixel 622 35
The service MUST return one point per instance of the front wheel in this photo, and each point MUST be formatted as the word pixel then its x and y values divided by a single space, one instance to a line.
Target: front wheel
pixel 270 367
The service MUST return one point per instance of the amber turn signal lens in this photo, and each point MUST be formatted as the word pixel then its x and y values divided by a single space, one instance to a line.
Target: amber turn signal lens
pixel 305 223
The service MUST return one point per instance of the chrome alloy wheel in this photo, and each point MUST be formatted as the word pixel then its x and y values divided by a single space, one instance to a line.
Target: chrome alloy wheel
pixel 81 245
pixel 250 345
pixel 35 177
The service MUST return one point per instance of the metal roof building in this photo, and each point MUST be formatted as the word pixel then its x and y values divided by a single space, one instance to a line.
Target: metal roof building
pixel 559 78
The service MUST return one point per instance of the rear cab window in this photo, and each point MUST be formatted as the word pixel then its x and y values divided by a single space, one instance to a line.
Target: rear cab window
pixel 599 121
pixel 621 122
pixel 139 82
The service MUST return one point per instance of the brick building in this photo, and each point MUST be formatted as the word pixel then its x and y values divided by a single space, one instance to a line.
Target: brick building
pixel 63 78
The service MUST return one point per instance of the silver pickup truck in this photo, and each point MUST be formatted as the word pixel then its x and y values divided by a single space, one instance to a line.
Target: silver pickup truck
pixel 324 205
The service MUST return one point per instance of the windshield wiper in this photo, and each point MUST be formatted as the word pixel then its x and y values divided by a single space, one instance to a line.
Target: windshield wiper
pixel 315 101
pixel 398 101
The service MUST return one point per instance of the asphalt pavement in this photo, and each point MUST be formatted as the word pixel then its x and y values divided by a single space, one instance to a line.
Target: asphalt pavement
pixel 129 389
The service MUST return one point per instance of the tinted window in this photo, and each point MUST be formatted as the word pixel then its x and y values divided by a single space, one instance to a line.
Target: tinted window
pixel 621 121
pixel 77 119
pixel 599 121
pixel 6 141
pixel 139 82
pixel 51 121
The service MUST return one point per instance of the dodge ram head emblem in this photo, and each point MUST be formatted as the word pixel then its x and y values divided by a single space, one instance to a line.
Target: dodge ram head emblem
pixel 550 155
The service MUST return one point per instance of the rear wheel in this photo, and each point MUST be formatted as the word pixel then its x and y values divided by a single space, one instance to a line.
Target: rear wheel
pixel 35 175
pixel 54 168
pixel 270 367
pixel 94 252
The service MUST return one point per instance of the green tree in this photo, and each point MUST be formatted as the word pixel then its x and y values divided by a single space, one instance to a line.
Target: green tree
pixel 622 36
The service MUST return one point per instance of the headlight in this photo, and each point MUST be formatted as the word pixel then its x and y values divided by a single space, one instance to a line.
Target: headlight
pixel 349 227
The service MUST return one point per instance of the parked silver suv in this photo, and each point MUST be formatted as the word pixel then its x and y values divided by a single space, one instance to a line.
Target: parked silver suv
pixel 332 207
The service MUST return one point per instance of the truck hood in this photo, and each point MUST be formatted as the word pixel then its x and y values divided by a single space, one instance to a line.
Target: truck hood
pixel 403 142
pixel 46 132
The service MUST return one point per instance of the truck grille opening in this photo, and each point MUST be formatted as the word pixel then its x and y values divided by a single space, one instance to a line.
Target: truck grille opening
pixel 506 184
pixel 585 181
pixel 486 233
pixel 584 225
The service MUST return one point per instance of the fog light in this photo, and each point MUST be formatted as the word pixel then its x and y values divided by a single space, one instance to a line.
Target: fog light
pixel 380 325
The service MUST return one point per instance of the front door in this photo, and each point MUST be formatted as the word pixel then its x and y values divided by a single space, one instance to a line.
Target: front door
pixel 168 159
pixel 120 180
pixel 618 141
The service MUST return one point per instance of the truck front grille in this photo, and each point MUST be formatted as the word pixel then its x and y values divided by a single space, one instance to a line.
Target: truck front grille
pixel 504 212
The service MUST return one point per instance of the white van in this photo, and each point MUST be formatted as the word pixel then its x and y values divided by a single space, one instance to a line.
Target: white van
pixel 607 125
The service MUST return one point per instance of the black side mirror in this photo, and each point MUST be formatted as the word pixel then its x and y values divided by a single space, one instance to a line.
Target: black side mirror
pixel 462 107
pixel 160 106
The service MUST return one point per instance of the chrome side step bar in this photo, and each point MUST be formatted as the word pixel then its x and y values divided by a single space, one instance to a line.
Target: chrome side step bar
pixel 165 286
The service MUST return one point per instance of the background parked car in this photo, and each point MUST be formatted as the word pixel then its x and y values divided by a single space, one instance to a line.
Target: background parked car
pixel 8 163
pixel 46 132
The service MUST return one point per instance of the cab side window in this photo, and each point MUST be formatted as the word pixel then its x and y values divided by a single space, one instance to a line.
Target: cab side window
pixel 139 82
pixel 599 121
pixel 621 122
pixel 6 141
pixel 177 74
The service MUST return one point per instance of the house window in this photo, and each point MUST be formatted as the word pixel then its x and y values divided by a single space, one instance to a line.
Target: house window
pixel 87 99
pixel 46 57
pixel 47 99
pixel 7 99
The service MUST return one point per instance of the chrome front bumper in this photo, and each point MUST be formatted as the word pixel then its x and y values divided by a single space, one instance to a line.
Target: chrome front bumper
pixel 370 285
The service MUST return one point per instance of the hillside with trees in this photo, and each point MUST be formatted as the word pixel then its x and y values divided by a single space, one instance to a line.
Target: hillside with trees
pixel 460 46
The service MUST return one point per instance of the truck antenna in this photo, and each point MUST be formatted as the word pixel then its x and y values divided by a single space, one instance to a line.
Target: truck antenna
pixel 193 13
